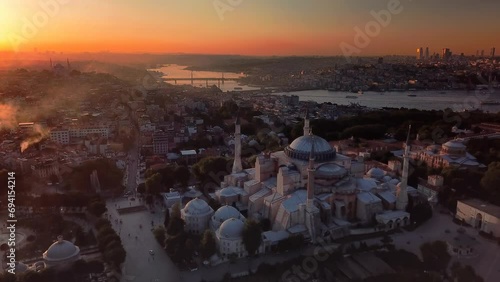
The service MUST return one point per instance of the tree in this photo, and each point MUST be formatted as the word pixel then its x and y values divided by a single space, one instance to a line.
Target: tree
pixel 208 245
pixel 491 179
pixel 252 236
pixel 97 208
pixel 212 169
pixel 159 233
pixel 153 184
pixel 435 255
pixel 115 255
pixel 141 188
pixel 176 211
pixel 31 276
pixel 182 175
pixel 464 273
pixel 167 218
pixel 175 226
pixel 188 249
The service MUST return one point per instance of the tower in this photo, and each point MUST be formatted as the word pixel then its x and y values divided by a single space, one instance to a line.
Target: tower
pixel 420 53
pixel 237 167
pixel 51 66
pixel 402 194
pixel 69 66
pixel 307 127
pixel 311 170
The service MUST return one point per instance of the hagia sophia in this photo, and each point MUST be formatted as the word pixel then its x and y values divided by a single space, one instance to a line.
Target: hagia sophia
pixel 309 189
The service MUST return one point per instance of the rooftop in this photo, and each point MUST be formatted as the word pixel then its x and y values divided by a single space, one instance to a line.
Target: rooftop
pixel 483 206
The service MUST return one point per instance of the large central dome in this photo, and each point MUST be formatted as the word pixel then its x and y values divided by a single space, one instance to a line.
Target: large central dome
pixel 301 149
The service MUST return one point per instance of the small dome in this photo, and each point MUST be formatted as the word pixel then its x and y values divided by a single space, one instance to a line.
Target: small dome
pixel 231 229
pixel 454 145
pixel 224 213
pixel 376 173
pixel 197 207
pixel 253 143
pixel 301 148
pixel 394 181
pixel 60 251
pixel 227 192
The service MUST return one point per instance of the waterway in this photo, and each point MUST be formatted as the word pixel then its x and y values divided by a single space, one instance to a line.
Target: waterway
pixel 422 100
pixel 457 100
pixel 176 71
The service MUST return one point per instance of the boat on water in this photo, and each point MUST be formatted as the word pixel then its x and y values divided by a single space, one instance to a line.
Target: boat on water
pixel 490 102
pixel 412 95
pixel 238 88
pixel 360 92
pixel 351 97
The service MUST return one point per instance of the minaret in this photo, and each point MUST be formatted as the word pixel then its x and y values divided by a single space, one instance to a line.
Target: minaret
pixel 402 192
pixel 237 146
pixel 69 67
pixel 51 66
pixel 311 170
pixel 307 128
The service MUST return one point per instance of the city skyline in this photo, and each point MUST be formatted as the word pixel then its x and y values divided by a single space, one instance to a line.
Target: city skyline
pixel 244 27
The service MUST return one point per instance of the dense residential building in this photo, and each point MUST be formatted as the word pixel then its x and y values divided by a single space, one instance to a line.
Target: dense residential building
pixel 160 142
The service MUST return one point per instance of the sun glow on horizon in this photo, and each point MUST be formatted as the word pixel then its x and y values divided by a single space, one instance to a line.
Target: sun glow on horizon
pixel 258 27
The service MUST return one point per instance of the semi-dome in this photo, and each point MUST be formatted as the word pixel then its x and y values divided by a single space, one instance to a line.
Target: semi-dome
pixel 197 207
pixel 301 148
pixel 331 170
pixel 454 147
pixel 231 228
pixel 61 251
pixel 454 144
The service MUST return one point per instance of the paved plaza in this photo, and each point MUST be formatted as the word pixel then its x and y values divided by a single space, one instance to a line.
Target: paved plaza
pixel 139 265
pixel 486 262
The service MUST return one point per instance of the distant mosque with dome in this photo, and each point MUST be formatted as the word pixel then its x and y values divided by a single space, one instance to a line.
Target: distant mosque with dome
pixel 59 256
pixel 309 189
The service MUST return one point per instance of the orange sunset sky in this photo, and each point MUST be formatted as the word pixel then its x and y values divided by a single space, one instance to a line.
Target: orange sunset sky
pixel 248 27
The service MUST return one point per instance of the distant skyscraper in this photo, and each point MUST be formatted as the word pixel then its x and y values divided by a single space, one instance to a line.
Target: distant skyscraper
pixel 477 53
pixel 420 53
pixel 492 52
pixel 482 53
pixel 426 53
pixel 446 54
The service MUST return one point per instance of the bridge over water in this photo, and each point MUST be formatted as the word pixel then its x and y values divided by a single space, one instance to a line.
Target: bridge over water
pixel 206 79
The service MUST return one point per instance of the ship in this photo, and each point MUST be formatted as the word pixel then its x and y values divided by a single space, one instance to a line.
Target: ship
pixel 490 102
pixel 412 95
pixel 351 97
